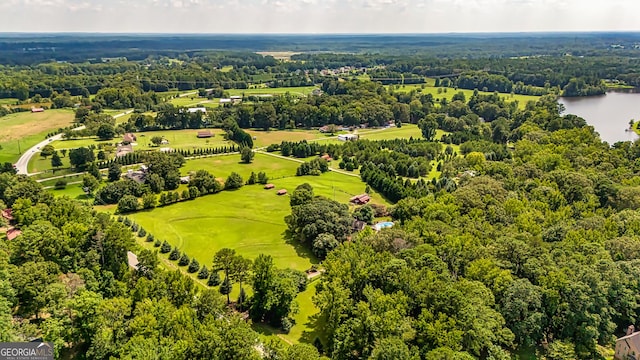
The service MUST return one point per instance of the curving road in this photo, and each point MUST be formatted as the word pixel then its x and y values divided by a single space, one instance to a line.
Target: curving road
pixel 23 163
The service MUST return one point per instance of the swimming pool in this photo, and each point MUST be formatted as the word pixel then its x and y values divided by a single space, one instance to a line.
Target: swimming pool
pixel 383 225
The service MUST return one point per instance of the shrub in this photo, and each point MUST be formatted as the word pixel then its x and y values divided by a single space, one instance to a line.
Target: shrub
pixel 150 238
pixel 127 221
pixel 157 243
pixel 214 279
pixel 203 273
pixel 194 266
pixel 135 227
pixel 120 219
pixel 60 184
pixel 165 247
pixel 142 232
pixel 175 254
pixel 184 260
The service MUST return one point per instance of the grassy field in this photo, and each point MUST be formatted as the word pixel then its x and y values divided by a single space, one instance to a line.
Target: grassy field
pixel 522 99
pixel 250 220
pixel 38 163
pixel 193 101
pixel 178 139
pixel 404 132
pixel 300 90
pixel 265 138
pixel 8 101
pixel 222 166
pixel 22 130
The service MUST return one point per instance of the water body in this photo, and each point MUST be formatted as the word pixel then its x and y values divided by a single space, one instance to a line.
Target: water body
pixel 609 114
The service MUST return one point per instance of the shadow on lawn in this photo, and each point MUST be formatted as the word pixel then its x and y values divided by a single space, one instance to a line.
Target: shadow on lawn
pixel 301 249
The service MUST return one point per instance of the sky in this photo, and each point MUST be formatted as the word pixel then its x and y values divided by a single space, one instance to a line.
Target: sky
pixel 317 16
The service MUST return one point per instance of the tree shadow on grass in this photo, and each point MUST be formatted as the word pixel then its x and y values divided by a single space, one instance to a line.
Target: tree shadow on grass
pixel 316 323
pixel 301 249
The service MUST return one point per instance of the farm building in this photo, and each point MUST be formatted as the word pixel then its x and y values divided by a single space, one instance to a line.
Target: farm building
pixel 282 192
pixel 128 138
pixel 358 225
pixel 269 186
pixel 196 109
pixel 132 260
pixel 7 215
pixel 324 129
pixel 37 110
pixel 628 346
pixel 123 150
pixel 348 137
pixel 326 157
pixel 360 199
pixel 204 134
pixel 225 101
pixel 13 233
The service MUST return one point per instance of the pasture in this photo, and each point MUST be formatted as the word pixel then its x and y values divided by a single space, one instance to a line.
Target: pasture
pixel 20 131
pixel 439 93
pixel 249 220
pixel 265 138
pixel 178 139
pixel 300 90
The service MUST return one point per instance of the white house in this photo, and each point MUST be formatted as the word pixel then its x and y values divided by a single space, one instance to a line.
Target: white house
pixel 196 109
pixel 348 137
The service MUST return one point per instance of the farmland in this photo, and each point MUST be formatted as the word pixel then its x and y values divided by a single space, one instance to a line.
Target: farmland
pixel 447 93
pixel 20 131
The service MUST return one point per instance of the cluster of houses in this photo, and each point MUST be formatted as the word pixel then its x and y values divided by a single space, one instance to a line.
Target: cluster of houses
pixel 12 231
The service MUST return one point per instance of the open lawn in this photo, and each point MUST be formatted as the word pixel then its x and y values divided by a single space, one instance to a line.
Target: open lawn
pixel 22 130
pixel 194 101
pixel 304 329
pixel 522 99
pixel 281 172
pixel 265 138
pixel 405 132
pixel 222 166
pixel 178 139
pixel 38 163
pixel 300 90
pixel 8 101
pixel 250 220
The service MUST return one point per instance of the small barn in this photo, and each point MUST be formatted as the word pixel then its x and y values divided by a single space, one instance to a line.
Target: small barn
pixel 269 186
pixel 360 199
pixel 13 233
pixel 204 134
pixel 128 138
pixel 196 109
pixel 37 109
pixel 282 192
pixel 326 157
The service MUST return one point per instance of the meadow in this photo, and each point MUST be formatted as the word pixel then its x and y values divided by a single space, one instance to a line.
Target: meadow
pixel 439 93
pixel 20 131
pixel 178 139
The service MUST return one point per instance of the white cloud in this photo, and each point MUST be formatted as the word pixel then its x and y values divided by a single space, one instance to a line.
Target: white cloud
pixel 318 16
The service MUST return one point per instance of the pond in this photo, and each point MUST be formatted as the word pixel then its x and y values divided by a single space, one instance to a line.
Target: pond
pixel 609 114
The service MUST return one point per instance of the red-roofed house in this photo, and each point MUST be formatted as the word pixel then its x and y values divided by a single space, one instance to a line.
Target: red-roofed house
pixel 282 192
pixel 7 214
pixel 360 199
pixel 204 134
pixel 326 157
pixel 13 233
pixel 128 138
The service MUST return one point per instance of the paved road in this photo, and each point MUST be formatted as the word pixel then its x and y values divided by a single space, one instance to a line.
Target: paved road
pixel 23 162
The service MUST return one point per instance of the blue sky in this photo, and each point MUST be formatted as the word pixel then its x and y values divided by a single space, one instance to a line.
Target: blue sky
pixel 317 16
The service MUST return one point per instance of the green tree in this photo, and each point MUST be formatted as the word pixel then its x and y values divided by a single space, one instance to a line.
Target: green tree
pixel 128 203
pixel 149 201
pixel 106 132
pixel 56 161
pixel 225 288
pixel 89 184
pixel 114 172
pixel 94 171
pixel 80 157
pixel 156 140
pixel 47 151
pixel 246 155
pixel 428 127
pixel 234 181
